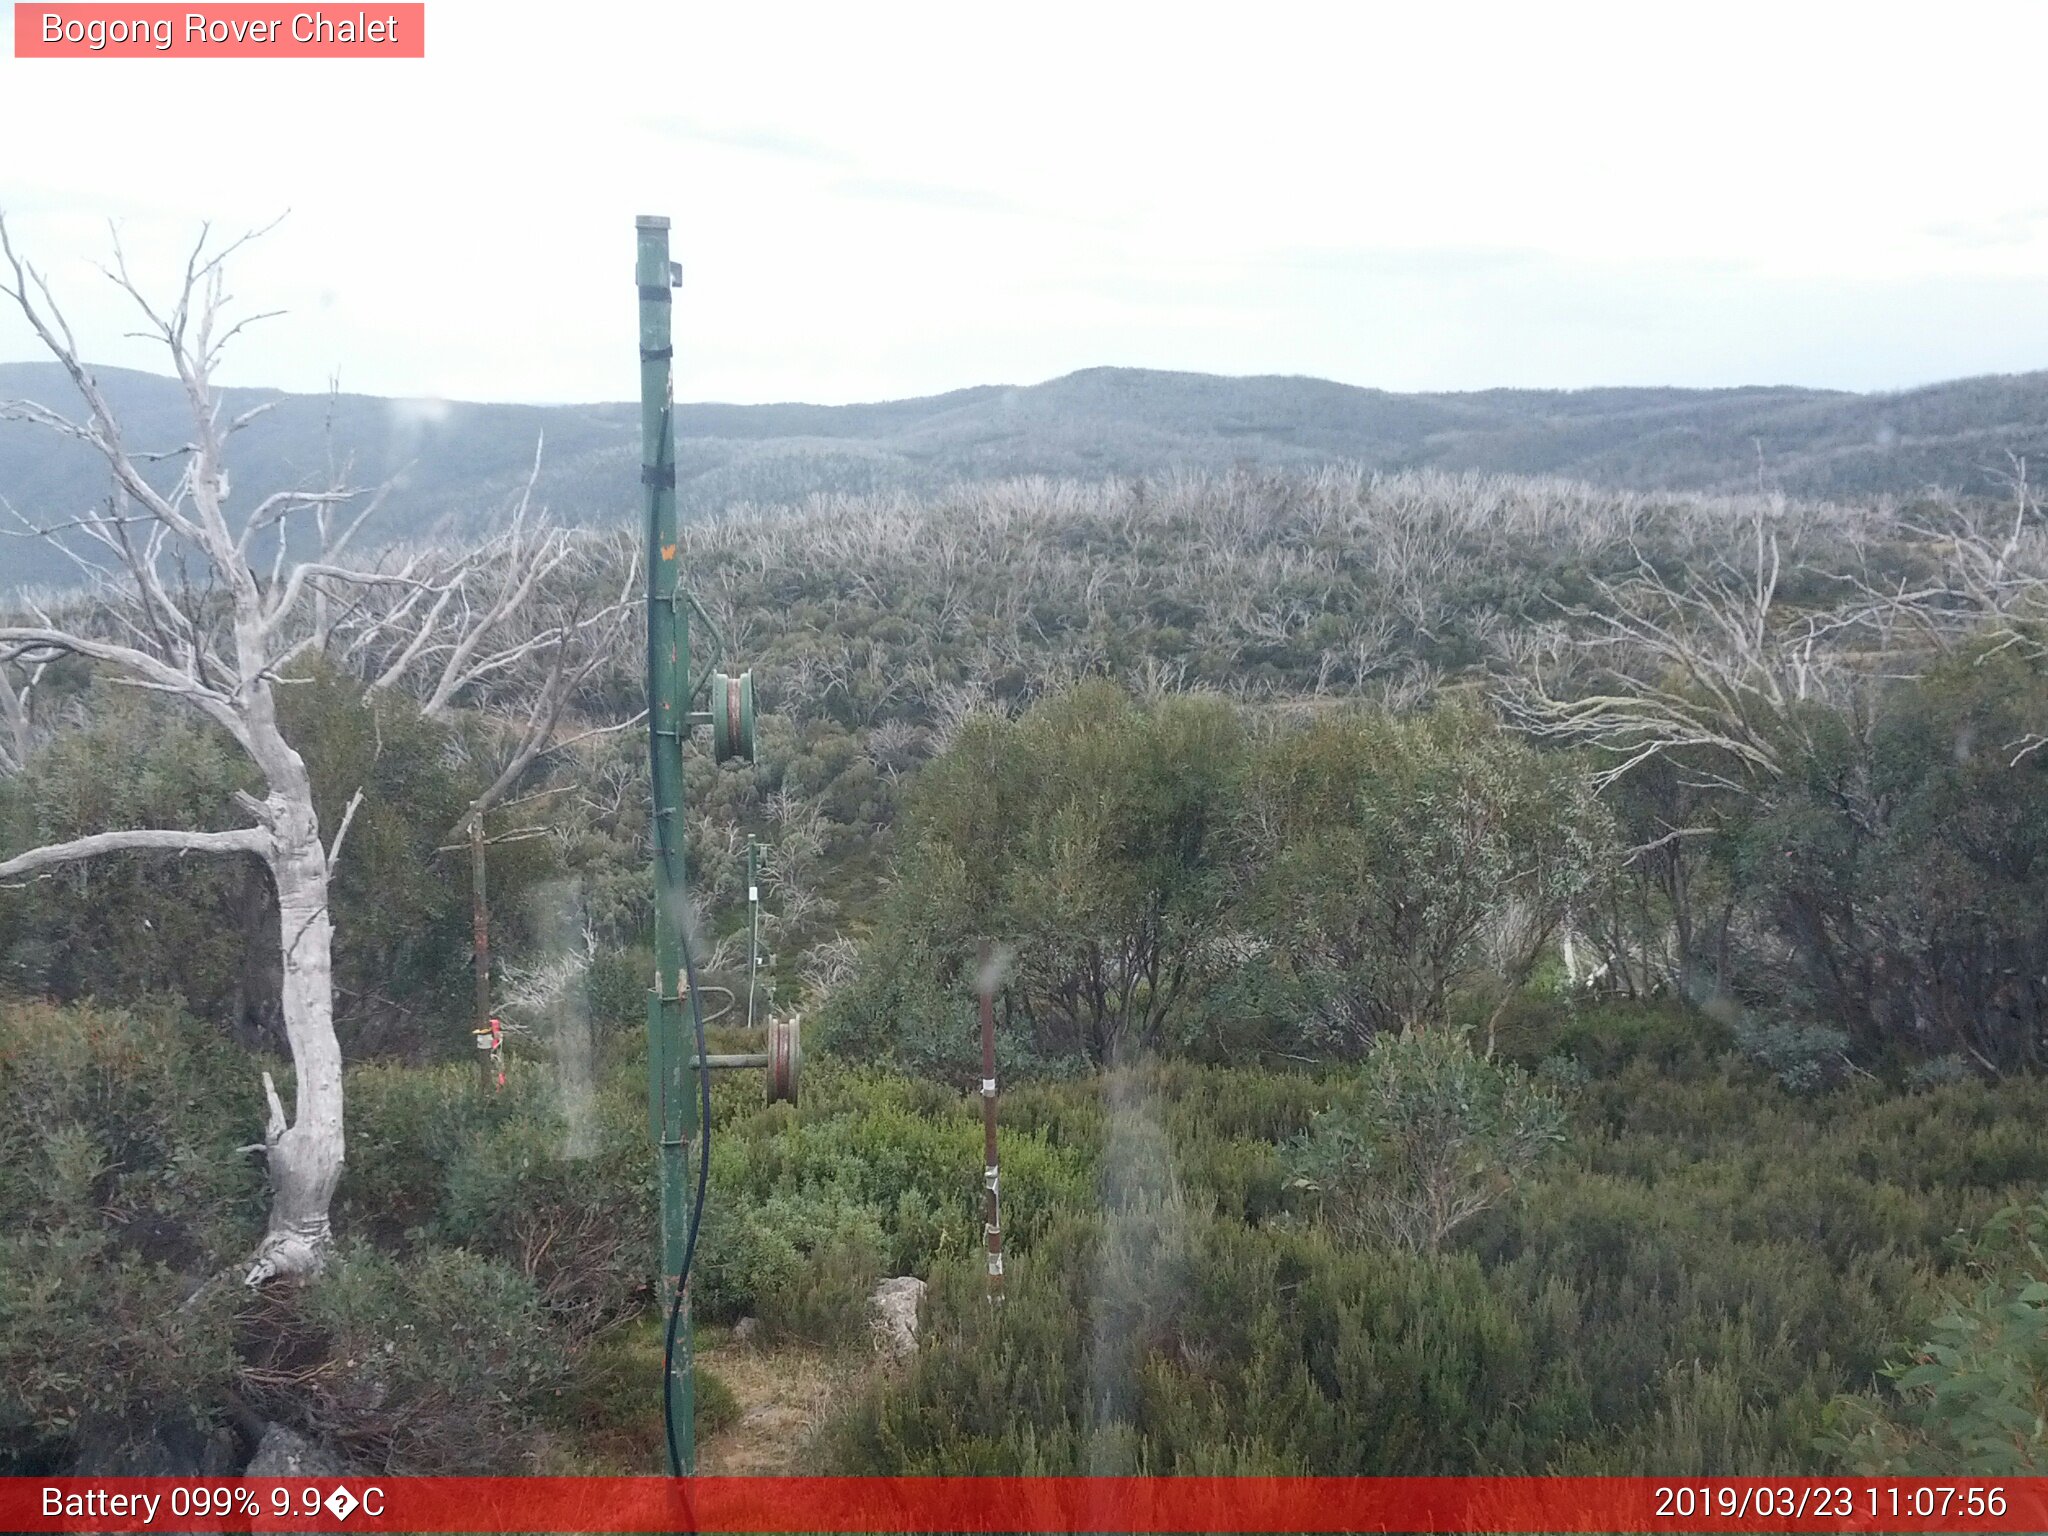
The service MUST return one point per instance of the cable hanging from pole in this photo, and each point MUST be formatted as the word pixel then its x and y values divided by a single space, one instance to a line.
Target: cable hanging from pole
pixel 675 1307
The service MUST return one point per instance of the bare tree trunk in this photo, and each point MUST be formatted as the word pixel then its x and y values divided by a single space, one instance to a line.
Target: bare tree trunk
pixel 306 1154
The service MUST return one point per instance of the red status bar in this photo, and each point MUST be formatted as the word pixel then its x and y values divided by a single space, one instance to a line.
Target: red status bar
pixel 1034 1504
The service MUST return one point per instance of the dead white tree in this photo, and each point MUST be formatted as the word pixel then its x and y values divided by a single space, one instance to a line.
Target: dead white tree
pixel 1711 676
pixel 1711 670
pixel 210 611
pixel 17 735
pixel 521 623
pixel 1990 581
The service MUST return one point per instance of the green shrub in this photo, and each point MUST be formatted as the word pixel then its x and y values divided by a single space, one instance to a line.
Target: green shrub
pixel 572 1215
pixel 1972 1400
pixel 406 1126
pixel 905 1151
pixel 1090 828
pixel 1605 1037
pixel 1901 864
pixel 1938 1072
pixel 1561 1074
pixel 1389 849
pixel 609 1411
pixel 121 1196
pixel 1684 1287
pixel 97 1343
pixel 617 982
pixel 150 1101
pixel 1803 1059
pixel 440 1362
pixel 1171 1341
pixel 717 1408
pixel 1437 1135
pixel 123 926
pixel 802 1262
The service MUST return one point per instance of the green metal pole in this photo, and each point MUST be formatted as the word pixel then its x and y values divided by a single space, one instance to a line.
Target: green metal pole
pixel 671 1059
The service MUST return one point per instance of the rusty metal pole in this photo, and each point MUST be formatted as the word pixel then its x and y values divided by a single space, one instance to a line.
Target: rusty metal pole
pixel 992 1220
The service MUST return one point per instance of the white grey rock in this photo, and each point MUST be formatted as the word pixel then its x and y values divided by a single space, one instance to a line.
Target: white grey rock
pixel 287 1453
pixel 896 1303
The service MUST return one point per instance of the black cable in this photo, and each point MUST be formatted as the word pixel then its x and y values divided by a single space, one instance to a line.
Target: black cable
pixel 675 1308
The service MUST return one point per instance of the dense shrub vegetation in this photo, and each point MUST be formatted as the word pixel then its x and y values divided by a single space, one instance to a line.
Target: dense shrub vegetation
pixel 1702 1271
pixel 1493 977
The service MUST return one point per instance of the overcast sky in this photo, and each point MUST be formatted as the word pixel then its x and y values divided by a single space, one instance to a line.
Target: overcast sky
pixel 880 200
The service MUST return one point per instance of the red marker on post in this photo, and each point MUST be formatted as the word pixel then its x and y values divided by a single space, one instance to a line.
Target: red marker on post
pixel 492 1039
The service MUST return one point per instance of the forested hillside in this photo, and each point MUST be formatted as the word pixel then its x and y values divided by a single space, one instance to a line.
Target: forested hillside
pixel 457 465
pixel 1500 975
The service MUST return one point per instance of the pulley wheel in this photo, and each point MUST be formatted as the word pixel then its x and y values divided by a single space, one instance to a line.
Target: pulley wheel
pixel 785 1058
pixel 732 716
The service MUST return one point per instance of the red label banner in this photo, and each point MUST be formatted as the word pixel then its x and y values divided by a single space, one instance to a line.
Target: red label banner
pixel 1034 1504
pixel 230 31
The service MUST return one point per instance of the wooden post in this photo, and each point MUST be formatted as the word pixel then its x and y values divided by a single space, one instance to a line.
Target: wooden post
pixel 480 939
pixel 992 1220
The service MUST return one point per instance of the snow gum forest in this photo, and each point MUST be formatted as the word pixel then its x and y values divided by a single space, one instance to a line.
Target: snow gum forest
pixel 1497 975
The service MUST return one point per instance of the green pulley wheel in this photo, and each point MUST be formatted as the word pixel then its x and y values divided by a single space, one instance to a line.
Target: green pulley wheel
pixel 732 716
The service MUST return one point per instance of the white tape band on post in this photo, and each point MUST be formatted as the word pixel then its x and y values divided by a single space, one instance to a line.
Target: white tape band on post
pixel 753 893
pixel 995 1263
pixel 988 1087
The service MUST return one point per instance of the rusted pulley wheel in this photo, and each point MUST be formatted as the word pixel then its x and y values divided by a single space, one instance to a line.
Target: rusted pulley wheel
pixel 732 716
pixel 785 1058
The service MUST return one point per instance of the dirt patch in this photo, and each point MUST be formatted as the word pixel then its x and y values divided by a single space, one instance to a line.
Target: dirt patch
pixel 783 1395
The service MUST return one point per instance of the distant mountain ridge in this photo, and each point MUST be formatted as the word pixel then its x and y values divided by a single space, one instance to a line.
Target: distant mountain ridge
pixel 459 463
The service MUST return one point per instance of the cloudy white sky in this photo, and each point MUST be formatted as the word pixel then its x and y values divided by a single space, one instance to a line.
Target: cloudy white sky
pixel 882 199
